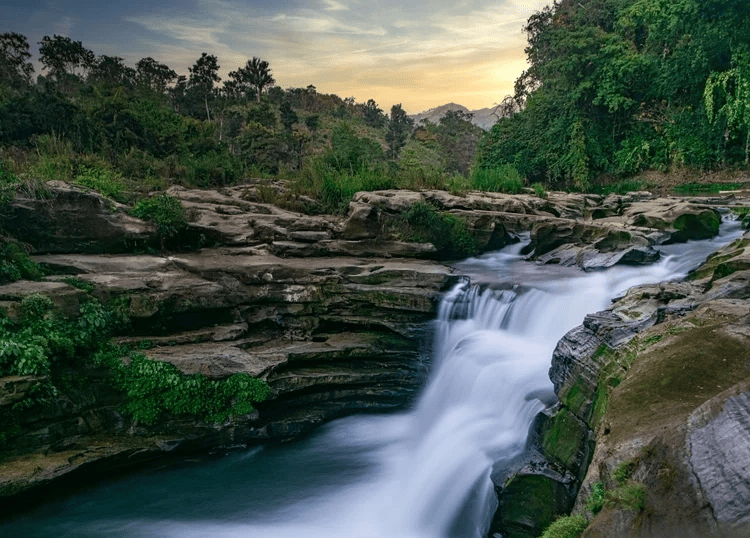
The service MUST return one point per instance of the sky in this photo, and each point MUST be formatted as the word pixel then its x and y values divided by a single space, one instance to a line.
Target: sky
pixel 419 54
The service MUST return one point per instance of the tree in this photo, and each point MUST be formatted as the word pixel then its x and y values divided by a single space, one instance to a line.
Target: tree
pixel 288 115
pixel 203 75
pixel 64 58
pixel 15 68
pixel 257 74
pixel 399 127
pixel 113 71
pixel 152 74
pixel 727 96
pixel 373 115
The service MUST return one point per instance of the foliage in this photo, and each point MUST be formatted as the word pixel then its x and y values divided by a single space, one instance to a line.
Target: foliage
pixel 503 178
pixel 15 67
pixel 43 344
pixel 399 128
pixel 630 497
pixel 619 86
pixel 164 210
pixel 76 282
pixel 566 527
pixel 539 190
pixel 595 502
pixel 450 235
pixel 106 182
pixel 153 389
pixel 8 183
pixel 16 264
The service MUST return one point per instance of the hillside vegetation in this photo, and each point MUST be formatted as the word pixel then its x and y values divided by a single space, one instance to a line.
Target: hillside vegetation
pixel 616 87
pixel 124 130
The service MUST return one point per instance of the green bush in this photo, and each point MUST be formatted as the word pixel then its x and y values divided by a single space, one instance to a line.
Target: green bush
pixel 566 527
pixel 164 210
pixel 539 190
pixel 153 389
pixel 106 182
pixel 450 235
pixel 16 264
pixel 595 502
pixel 503 178
pixel 54 349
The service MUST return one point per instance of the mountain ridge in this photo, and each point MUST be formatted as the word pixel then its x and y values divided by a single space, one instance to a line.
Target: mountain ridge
pixel 483 117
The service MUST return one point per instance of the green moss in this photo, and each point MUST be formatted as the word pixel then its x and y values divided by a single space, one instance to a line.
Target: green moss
pixel 576 396
pixel 566 527
pixel 564 437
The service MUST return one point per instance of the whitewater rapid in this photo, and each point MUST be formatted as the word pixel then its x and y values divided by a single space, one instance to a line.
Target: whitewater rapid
pixel 424 473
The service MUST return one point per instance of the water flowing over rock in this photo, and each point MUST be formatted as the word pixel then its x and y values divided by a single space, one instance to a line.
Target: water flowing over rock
pixel 336 313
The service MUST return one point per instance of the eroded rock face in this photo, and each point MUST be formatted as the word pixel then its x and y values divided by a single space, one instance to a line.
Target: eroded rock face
pixel 330 336
pixel 661 382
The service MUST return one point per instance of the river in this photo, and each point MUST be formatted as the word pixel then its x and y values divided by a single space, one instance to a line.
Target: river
pixel 424 473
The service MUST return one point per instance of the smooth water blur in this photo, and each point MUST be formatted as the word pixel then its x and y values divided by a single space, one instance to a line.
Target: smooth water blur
pixel 420 474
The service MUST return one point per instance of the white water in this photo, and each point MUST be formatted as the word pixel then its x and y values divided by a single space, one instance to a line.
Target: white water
pixel 421 474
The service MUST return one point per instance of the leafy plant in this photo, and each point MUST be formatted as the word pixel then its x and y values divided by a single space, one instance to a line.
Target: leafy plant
pixel 106 182
pixel 595 502
pixel 166 211
pixel 424 223
pixel 539 190
pixel 16 264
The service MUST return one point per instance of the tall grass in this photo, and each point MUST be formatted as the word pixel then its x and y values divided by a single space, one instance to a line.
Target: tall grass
pixel 503 178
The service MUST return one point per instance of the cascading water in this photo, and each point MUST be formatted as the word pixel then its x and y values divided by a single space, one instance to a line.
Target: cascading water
pixel 421 474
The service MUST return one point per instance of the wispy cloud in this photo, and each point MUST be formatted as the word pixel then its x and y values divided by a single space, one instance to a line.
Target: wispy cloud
pixel 418 53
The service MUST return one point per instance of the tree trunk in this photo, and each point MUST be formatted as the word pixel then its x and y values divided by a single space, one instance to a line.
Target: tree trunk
pixel 208 114
pixel 258 89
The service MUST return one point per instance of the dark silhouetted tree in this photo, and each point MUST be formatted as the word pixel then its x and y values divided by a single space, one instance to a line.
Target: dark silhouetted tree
pixel 152 74
pixel 64 59
pixel 203 76
pixel 15 68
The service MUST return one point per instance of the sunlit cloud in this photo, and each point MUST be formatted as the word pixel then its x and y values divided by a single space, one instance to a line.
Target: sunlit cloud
pixel 411 52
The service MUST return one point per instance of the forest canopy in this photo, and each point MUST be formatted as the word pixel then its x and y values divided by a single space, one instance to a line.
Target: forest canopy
pixel 619 86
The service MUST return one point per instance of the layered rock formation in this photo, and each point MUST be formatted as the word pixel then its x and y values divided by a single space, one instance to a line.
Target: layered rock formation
pixel 653 392
pixel 332 312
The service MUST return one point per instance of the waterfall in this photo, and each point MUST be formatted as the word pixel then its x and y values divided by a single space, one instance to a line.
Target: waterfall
pixel 419 474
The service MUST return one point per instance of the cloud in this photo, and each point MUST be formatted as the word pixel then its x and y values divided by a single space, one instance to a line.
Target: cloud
pixel 410 51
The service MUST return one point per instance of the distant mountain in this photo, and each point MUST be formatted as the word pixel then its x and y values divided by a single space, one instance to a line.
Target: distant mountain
pixel 483 117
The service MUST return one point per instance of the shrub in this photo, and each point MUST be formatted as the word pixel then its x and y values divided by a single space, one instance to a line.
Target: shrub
pixel 166 211
pixel 106 182
pixel 16 264
pixel 8 183
pixel 595 502
pixel 539 190
pixel 449 234
pixel 503 178
pixel 566 527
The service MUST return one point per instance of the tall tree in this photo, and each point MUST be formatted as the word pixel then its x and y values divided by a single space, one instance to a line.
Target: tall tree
pixel 15 68
pixel 373 115
pixel 152 74
pixel 258 74
pixel 203 76
pixel 399 127
pixel 64 58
